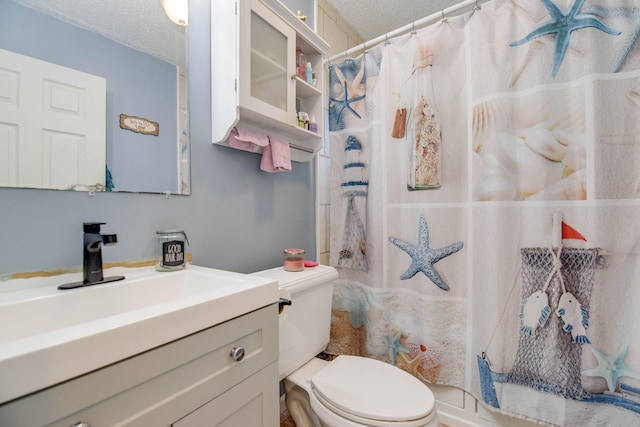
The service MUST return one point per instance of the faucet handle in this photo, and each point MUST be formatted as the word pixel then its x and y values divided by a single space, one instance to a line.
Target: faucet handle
pixel 92 227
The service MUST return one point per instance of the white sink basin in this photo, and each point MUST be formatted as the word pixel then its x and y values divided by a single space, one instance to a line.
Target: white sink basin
pixel 63 309
pixel 51 335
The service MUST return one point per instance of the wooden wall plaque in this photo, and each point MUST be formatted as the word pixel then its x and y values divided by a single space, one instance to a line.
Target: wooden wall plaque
pixel 139 125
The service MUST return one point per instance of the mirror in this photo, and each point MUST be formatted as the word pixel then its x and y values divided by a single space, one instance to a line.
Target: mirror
pixel 120 60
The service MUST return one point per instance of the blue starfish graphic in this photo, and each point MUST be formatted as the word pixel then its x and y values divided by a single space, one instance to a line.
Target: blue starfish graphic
pixel 394 346
pixel 338 106
pixel 345 103
pixel 522 18
pixel 358 306
pixel 423 257
pixel 611 368
pixel 633 14
pixel 357 300
pixel 563 25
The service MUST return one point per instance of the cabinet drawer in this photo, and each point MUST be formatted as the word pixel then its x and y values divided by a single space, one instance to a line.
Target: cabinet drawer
pixel 159 386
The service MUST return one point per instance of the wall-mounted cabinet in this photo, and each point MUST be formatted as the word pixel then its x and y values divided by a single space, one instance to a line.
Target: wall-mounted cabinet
pixel 253 71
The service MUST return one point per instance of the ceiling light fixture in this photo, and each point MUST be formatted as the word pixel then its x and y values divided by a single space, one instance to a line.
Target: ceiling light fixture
pixel 177 11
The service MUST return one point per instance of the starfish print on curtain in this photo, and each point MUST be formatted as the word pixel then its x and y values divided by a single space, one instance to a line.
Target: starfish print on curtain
pixel 345 89
pixel 611 368
pixel 633 15
pixel 423 257
pixel 562 26
pixel 394 346
pixel 521 16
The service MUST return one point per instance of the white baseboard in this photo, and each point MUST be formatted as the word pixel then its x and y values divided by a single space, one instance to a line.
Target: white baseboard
pixel 475 415
pixel 461 418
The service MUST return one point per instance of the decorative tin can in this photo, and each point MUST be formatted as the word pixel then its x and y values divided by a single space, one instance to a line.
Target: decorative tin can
pixel 293 259
pixel 170 250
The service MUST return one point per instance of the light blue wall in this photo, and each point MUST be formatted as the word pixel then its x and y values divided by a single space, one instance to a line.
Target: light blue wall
pixel 237 218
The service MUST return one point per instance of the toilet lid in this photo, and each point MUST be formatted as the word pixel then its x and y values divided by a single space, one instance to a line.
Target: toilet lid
pixel 371 389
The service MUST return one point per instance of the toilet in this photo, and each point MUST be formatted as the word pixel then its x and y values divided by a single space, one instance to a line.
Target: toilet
pixel 350 391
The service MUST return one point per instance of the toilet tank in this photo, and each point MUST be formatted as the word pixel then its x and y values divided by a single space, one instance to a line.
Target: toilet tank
pixel 305 324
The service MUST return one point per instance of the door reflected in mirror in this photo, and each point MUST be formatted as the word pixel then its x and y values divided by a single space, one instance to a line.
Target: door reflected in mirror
pixel 68 71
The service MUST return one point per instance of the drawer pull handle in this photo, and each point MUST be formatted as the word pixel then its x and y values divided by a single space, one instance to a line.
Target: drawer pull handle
pixel 81 424
pixel 237 353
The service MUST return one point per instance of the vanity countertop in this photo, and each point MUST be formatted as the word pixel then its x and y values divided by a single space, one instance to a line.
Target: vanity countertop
pixel 50 335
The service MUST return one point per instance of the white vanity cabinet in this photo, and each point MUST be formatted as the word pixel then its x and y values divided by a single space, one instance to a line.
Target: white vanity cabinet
pixel 193 381
pixel 253 70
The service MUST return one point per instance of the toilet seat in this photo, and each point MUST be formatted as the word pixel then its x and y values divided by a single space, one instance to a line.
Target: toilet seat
pixel 372 393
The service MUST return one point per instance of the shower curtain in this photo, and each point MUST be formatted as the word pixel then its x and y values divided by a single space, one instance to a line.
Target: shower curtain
pixel 485 207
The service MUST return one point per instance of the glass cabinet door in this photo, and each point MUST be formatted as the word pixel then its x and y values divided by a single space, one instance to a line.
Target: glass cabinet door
pixel 271 64
pixel 268 63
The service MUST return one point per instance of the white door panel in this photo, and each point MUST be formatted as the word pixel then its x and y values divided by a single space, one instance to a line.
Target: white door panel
pixel 55 117
pixel 8 155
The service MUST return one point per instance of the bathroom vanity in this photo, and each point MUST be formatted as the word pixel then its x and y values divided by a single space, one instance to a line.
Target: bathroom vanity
pixel 221 370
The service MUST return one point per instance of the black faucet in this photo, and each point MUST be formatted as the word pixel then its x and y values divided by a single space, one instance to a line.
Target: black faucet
pixel 92 256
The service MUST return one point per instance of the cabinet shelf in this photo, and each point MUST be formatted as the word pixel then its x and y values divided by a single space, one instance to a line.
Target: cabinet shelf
pixel 304 144
pixel 305 90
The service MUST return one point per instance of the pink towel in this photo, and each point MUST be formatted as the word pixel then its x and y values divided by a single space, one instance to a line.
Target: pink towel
pixel 246 140
pixel 276 156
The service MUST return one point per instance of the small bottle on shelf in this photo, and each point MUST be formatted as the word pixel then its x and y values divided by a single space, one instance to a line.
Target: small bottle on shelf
pixel 301 63
pixel 313 125
pixel 309 73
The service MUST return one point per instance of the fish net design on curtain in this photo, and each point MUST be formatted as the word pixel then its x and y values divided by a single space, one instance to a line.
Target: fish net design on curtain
pixel 352 254
pixel 549 361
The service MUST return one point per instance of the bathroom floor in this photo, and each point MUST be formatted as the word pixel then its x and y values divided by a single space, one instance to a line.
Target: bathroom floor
pixel 285 420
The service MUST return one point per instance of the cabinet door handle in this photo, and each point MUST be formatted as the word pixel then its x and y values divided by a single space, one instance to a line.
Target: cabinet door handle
pixel 237 353
pixel 81 424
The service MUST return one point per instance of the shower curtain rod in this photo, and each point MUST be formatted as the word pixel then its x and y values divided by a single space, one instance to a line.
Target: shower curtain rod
pixel 443 14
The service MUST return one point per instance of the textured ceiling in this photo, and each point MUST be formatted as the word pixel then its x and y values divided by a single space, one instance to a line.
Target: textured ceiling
pixel 373 18
pixel 140 24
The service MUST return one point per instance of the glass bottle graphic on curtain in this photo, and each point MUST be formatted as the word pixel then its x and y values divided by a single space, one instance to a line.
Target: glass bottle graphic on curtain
pixel 423 128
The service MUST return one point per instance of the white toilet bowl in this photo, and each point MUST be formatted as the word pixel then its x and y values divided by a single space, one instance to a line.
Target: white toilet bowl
pixel 355 391
pixel 349 391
